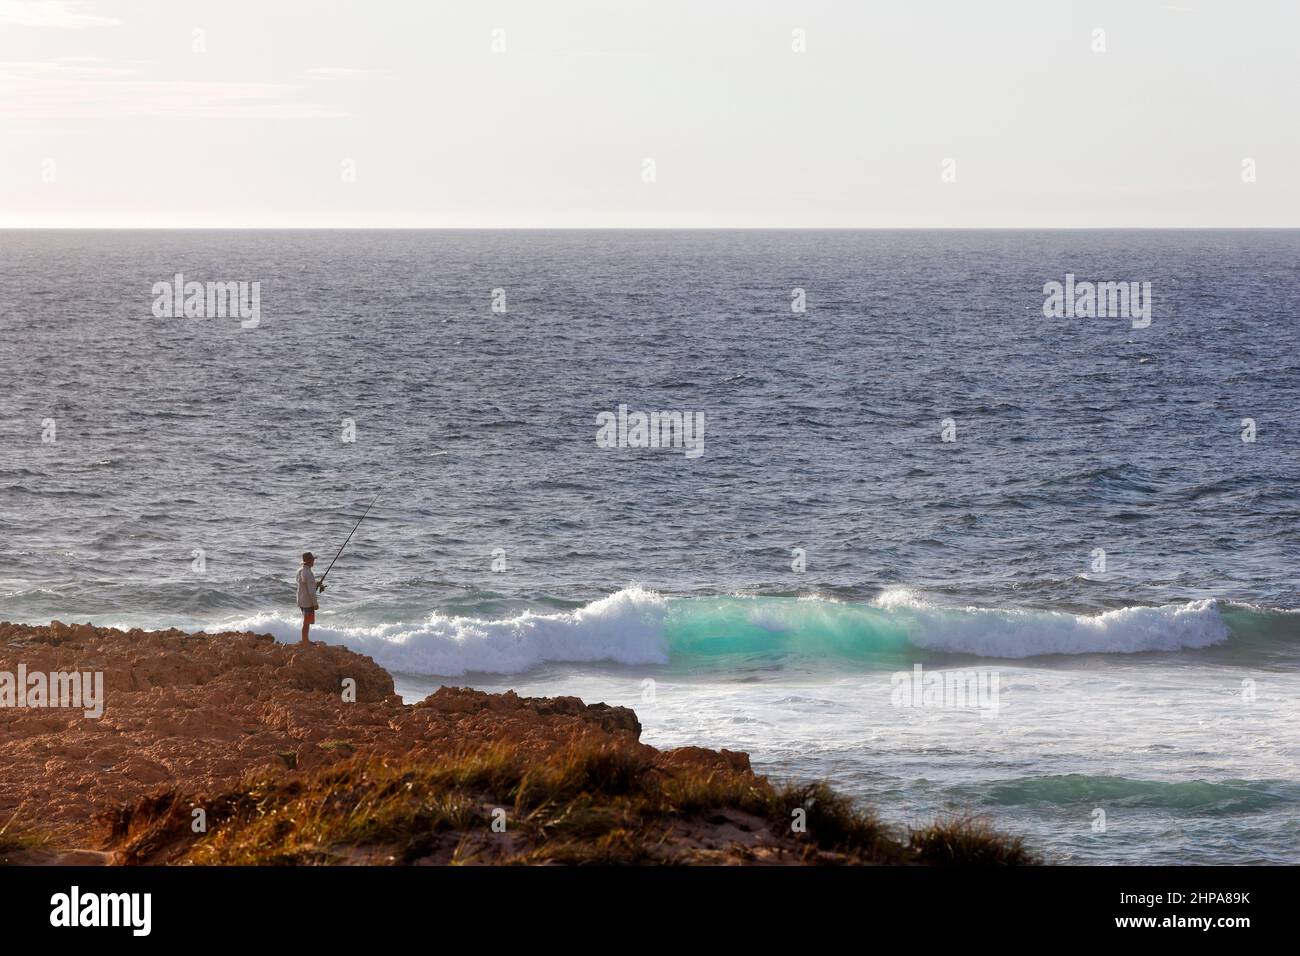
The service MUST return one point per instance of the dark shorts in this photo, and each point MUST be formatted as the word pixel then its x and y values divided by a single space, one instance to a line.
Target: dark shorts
pixel 309 614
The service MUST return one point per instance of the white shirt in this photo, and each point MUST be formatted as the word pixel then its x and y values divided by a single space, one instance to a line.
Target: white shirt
pixel 306 587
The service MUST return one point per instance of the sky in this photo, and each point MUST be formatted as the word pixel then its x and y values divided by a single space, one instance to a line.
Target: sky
pixel 660 114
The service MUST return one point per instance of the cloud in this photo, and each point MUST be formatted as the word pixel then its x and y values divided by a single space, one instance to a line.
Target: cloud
pixel 52 15
pixel 89 88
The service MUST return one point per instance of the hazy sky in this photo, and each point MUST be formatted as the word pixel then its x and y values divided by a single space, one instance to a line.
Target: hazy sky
pixel 401 113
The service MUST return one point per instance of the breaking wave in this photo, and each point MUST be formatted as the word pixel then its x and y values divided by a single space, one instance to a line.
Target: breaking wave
pixel 639 627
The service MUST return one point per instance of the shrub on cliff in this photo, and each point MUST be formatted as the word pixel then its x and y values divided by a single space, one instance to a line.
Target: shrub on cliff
pixel 590 802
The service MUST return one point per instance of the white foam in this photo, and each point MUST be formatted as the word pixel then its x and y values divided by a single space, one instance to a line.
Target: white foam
pixel 626 627
pixel 898 596
pixel 631 627
pixel 994 633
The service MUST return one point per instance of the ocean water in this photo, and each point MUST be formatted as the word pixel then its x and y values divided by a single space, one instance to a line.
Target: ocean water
pixel 1098 552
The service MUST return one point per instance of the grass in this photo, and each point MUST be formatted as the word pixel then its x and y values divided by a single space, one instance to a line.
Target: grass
pixel 588 803
pixel 16 839
pixel 968 840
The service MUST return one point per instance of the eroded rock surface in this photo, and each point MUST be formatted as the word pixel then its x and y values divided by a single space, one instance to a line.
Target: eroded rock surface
pixel 200 711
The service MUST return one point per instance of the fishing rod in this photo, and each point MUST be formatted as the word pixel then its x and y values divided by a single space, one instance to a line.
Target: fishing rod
pixel 349 538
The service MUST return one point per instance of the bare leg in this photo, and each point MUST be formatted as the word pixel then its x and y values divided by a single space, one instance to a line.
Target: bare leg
pixel 306 627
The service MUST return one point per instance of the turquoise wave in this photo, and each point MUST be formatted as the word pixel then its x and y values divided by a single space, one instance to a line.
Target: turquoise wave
pixel 1202 797
pixel 636 627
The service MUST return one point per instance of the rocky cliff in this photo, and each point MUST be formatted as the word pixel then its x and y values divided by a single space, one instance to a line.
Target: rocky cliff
pixel 305 755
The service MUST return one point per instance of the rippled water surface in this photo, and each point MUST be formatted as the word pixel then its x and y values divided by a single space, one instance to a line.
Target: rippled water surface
pixel 1098 535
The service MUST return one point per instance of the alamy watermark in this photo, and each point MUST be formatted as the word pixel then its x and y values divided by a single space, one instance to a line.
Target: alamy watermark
pixel 208 300
pixel 626 429
pixel 946 690
pixel 79 690
pixel 74 908
pixel 1092 300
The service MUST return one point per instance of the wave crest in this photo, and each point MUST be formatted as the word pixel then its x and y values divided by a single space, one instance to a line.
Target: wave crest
pixel 626 627
pixel 636 626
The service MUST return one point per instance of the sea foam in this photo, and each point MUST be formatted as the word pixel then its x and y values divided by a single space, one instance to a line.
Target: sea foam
pixel 635 626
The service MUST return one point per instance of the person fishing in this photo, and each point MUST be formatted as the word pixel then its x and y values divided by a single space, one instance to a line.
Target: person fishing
pixel 309 587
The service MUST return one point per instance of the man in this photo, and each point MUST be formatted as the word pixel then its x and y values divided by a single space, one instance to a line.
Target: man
pixel 307 588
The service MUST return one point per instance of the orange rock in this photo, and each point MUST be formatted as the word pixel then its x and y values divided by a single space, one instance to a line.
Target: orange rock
pixel 199 711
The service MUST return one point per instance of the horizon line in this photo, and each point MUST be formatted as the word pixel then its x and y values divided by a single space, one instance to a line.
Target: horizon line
pixel 4 228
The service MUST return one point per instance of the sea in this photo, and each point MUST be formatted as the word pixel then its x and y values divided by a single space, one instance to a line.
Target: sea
pixel 862 504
